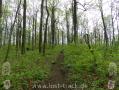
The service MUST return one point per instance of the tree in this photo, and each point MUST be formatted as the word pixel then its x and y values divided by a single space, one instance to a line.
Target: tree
pixel 35 27
pixel 18 32
pixel 53 9
pixel 112 19
pixel 117 20
pixel 0 8
pixel 46 27
pixel 41 26
pixel 75 20
pixel 24 28
pixel 0 23
pixel 67 26
pixel 53 25
pixel 11 30
pixel 104 24
pixel 33 22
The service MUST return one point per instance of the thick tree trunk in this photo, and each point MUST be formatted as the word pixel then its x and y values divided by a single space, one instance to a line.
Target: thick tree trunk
pixel 75 20
pixel 18 33
pixel 24 28
pixel 41 26
pixel 53 25
pixel 45 33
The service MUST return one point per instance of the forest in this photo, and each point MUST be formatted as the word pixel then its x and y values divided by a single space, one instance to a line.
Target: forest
pixel 59 44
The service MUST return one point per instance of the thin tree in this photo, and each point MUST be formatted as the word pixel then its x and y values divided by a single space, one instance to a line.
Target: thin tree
pixel 35 28
pixel 104 24
pixel 0 23
pixel 67 26
pixel 11 30
pixel 112 21
pixel 33 22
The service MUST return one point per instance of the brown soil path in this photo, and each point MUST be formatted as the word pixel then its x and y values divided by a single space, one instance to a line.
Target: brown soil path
pixel 57 79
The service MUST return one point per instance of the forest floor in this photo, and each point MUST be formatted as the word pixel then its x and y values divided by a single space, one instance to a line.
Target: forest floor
pixel 57 76
pixel 74 65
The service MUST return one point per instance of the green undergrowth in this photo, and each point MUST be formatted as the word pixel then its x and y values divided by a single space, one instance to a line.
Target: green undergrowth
pixel 31 66
pixel 80 64
pixel 78 61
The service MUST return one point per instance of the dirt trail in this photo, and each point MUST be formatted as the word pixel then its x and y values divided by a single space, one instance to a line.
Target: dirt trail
pixel 57 73
pixel 57 77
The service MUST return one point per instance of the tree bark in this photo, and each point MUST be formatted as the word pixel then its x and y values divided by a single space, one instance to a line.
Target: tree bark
pixel 35 28
pixel 11 30
pixel 41 26
pixel 53 25
pixel 0 23
pixel 45 33
pixel 24 28
pixel 112 19
pixel 67 26
pixel 33 44
pixel 75 20
pixel 104 24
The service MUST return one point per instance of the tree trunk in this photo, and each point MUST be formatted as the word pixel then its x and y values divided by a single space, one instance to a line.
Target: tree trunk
pixel 0 9
pixel 24 28
pixel 75 21
pixel 41 26
pixel 6 31
pixel 11 30
pixel 112 19
pixel 53 25
pixel 33 34
pixel 18 33
pixel 0 23
pixel 62 38
pixel 67 26
pixel 104 24
pixel 35 28
pixel 45 33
